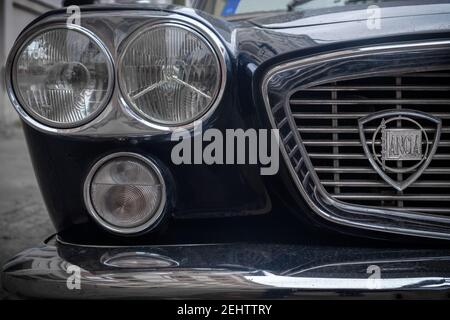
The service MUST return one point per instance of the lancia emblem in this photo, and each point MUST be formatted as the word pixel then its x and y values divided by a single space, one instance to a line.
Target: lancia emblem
pixel 398 147
pixel 401 144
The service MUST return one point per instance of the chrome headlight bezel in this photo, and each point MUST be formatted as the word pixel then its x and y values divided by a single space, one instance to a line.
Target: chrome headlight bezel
pixel 117 110
pixel 213 43
pixel 31 117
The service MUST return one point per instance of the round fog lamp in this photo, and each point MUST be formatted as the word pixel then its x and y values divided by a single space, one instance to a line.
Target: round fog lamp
pixel 125 193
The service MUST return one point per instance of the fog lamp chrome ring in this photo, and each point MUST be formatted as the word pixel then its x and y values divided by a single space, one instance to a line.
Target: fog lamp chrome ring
pixel 146 225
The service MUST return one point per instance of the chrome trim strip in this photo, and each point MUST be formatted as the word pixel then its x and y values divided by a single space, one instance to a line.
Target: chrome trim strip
pixel 148 225
pixel 352 52
pixel 325 283
pixel 322 199
pixel 29 116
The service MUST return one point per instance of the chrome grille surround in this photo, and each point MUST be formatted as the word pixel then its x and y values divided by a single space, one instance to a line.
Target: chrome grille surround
pixel 283 81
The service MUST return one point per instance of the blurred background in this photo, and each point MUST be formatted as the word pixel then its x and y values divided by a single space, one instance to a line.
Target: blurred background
pixel 14 16
pixel 23 218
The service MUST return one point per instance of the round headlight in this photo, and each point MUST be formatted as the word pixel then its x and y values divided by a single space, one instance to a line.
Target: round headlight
pixel 125 193
pixel 170 74
pixel 62 77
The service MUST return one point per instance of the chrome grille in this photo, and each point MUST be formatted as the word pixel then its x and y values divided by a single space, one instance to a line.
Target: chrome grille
pixel 326 117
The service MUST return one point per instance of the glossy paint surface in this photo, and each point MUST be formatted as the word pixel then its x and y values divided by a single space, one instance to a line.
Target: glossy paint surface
pixel 229 271
pixel 62 162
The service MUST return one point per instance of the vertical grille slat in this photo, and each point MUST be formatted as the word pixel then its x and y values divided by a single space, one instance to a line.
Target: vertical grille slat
pixel 327 117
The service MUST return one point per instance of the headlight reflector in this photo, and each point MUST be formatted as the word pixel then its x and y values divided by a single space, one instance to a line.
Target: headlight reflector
pixel 125 193
pixel 62 77
pixel 170 74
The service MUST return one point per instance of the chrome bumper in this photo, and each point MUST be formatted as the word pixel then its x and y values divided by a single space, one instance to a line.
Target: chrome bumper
pixel 227 271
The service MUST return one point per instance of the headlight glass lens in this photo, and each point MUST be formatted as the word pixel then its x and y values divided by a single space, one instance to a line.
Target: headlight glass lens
pixel 126 193
pixel 170 74
pixel 62 77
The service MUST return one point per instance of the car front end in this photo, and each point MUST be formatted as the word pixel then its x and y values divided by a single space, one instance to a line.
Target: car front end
pixel 284 154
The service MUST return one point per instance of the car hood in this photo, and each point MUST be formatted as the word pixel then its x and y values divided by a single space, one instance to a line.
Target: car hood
pixel 349 13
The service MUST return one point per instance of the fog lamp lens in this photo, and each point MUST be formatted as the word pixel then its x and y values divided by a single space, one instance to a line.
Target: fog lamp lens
pixel 125 193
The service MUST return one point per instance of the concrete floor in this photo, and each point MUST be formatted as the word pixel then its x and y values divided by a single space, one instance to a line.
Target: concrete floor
pixel 23 218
